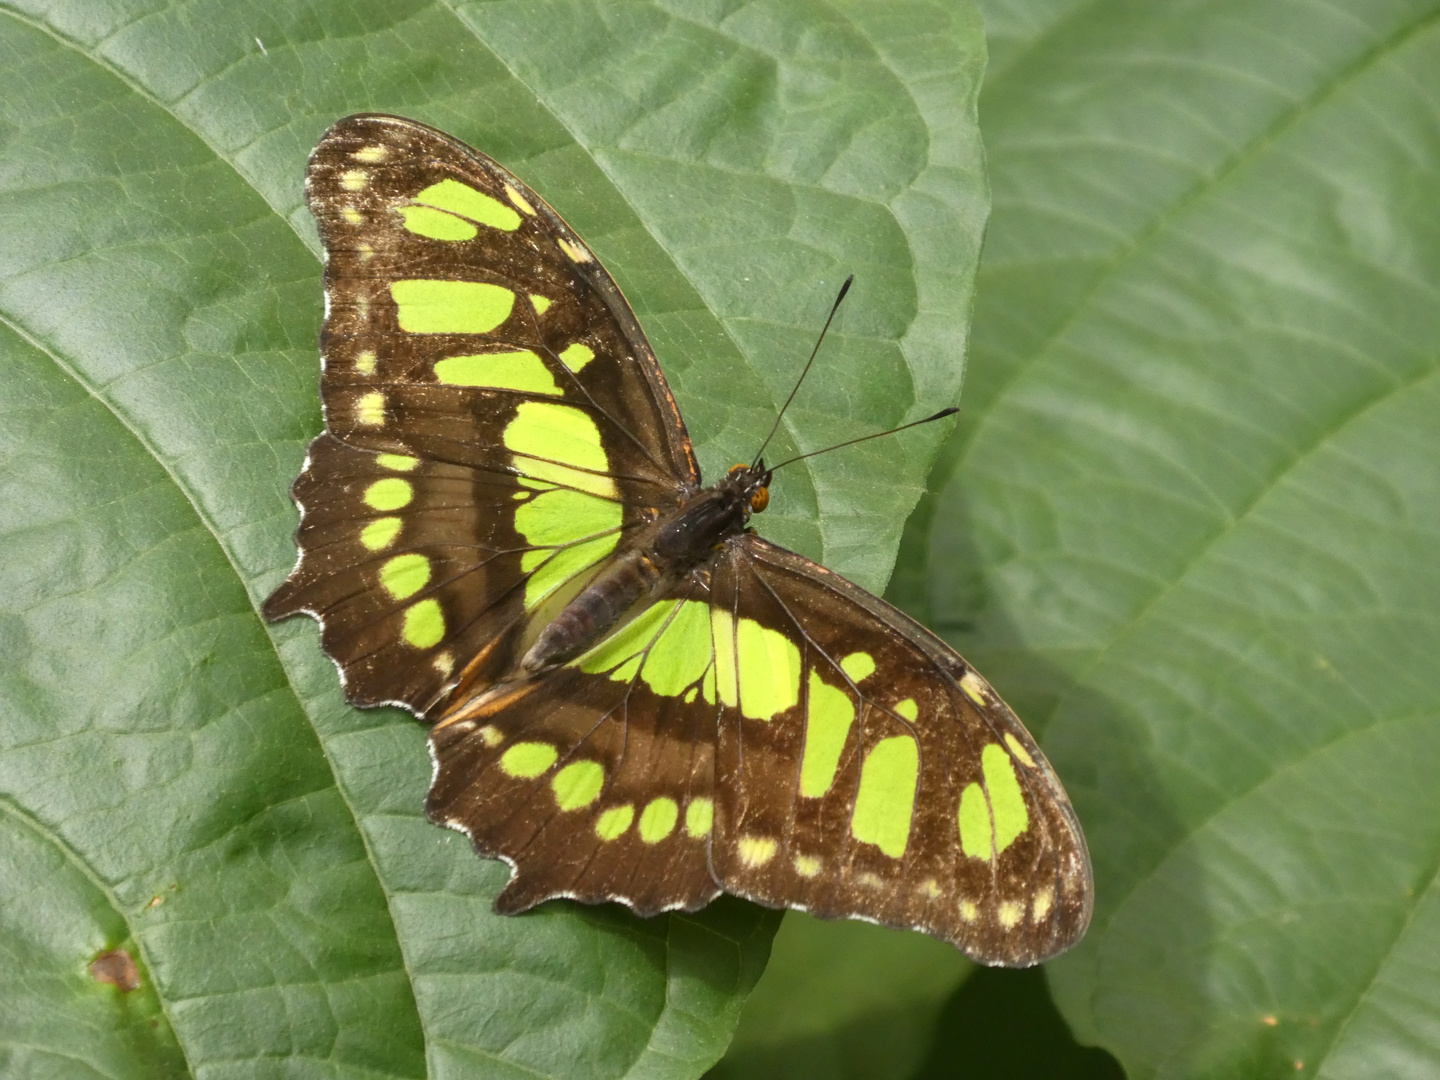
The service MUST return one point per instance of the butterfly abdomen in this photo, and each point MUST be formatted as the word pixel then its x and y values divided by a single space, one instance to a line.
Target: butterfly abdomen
pixel 595 611
pixel 658 560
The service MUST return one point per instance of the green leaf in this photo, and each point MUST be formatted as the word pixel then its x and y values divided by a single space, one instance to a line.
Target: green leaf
pixel 188 782
pixel 1191 526
pixel 842 999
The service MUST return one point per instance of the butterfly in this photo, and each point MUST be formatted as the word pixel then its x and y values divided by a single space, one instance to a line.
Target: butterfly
pixel 631 696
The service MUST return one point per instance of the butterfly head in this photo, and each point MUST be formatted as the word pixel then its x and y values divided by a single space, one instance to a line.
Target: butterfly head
pixel 751 484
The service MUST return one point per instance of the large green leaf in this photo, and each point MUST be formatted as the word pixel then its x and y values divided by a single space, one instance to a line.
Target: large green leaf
pixel 1191 525
pixel 185 783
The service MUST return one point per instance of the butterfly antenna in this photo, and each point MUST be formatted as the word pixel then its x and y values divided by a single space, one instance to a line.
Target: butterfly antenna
pixel 813 353
pixel 863 438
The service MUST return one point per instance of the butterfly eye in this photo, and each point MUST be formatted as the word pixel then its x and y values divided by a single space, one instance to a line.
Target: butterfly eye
pixel 759 499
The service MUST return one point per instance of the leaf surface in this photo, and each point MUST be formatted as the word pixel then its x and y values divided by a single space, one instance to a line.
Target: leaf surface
pixel 1190 521
pixel 190 780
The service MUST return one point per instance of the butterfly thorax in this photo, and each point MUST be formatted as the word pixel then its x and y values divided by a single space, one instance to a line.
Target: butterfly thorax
pixel 662 556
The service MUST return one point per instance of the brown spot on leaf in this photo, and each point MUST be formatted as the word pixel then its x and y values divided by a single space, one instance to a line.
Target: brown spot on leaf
pixel 115 966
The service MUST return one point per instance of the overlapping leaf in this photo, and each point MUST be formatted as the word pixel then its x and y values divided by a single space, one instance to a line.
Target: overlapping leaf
pixel 1192 524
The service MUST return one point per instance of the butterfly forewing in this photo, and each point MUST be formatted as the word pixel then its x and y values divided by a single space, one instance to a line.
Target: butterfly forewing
pixel 497 425
pixel 864 770
pixel 453 290
pixel 404 566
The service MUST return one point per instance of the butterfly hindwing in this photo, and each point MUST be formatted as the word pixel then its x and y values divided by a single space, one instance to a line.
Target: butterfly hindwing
pixel 863 769
pixel 595 782
pixel 497 425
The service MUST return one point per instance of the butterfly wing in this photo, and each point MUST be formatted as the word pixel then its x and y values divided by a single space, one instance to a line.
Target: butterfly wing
pixel 865 770
pixel 595 780
pixel 496 423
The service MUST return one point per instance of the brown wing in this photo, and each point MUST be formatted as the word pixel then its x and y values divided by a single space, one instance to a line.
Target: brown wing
pixel 594 781
pixel 496 423
pixel 864 770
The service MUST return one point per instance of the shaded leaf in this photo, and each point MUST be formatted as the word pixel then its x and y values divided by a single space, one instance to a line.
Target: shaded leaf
pixel 842 999
pixel 1191 522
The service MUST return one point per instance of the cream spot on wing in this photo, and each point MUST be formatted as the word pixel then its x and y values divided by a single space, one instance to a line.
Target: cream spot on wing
pixel 1043 900
pixel 519 201
pixel 576 250
pixel 1009 913
pixel 491 735
pixel 352 216
pixel 974 687
pixel 1019 751
pixel 365 362
pixel 968 911
pixel 354 179
pixel 366 251
pixel 756 851
pixel 371 155
pixel 444 664
pixel 807 866
pixel 370 409
pixel 931 888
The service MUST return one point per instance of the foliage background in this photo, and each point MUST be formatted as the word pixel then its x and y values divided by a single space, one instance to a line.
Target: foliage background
pixel 1187 524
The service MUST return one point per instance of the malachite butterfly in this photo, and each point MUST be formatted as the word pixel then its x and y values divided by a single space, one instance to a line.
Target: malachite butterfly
pixel 631 696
